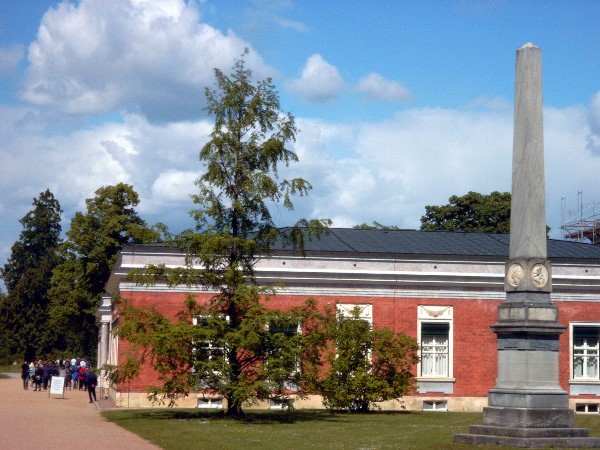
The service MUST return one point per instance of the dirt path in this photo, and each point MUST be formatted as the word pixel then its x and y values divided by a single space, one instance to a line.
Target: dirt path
pixel 35 420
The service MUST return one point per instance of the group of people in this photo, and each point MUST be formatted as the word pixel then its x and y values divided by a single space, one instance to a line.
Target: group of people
pixel 77 374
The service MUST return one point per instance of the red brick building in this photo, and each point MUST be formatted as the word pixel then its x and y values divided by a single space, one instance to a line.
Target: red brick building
pixel 442 288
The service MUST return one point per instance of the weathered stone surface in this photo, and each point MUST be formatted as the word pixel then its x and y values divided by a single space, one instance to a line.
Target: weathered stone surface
pixel 528 205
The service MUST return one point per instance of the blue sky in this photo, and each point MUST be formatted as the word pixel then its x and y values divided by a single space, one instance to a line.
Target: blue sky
pixel 401 104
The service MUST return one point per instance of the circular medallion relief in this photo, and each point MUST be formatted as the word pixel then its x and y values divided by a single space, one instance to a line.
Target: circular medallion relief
pixel 515 275
pixel 539 275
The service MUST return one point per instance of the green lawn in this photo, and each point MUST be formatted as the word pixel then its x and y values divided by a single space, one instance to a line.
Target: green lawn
pixel 11 368
pixel 193 429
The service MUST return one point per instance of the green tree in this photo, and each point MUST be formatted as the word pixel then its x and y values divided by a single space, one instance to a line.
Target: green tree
pixel 26 275
pixel 90 251
pixel 471 212
pixel 234 227
pixel 376 226
pixel 366 365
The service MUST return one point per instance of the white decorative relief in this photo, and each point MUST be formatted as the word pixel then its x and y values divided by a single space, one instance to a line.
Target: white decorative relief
pixel 435 312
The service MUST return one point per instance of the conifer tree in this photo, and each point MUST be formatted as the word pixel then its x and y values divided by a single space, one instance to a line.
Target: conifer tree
pixel 89 253
pixel 27 274
pixel 234 336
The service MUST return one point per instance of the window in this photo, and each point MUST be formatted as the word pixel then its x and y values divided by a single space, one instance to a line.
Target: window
pixel 283 404
pixel 209 355
pixel 586 408
pixel 435 367
pixel 434 334
pixel 434 349
pixel 435 405
pixel 586 345
pixel 210 403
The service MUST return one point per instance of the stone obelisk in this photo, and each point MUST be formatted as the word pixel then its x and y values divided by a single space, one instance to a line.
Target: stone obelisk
pixel 527 407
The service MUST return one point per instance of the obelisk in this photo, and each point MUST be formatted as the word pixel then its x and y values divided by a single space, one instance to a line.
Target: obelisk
pixel 527 407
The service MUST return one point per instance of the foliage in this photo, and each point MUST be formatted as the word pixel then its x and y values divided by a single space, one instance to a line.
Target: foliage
pixel 231 350
pixel 471 212
pixel 376 226
pixel 93 242
pixel 273 360
pixel 367 365
pixel 27 274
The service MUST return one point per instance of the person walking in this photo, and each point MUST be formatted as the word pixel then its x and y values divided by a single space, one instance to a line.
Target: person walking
pixel 75 377
pixel 82 370
pixel 25 375
pixel 91 380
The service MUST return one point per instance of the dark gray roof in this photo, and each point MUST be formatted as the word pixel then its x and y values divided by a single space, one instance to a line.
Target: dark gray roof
pixel 435 243
pixel 419 245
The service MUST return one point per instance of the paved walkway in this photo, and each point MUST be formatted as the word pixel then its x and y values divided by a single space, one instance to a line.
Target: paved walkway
pixel 35 420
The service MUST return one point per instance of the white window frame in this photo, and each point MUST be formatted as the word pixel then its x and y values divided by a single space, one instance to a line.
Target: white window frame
pixel 281 404
pixel 434 406
pixel 436 314
pixel 210 403
pixel 210 347
pixel 587 350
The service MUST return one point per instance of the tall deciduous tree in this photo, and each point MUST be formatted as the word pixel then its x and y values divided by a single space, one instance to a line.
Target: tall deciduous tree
pixel 248 145
pixel 366 365
pixel 471 212
pixel 27 274
pixel 93 242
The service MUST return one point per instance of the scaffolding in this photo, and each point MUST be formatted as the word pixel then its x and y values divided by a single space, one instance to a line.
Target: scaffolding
pixel 582 225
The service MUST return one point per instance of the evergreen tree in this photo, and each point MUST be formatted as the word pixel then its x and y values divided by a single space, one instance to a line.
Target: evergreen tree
pixel 90 251
pixel 234 227
pixel 27 275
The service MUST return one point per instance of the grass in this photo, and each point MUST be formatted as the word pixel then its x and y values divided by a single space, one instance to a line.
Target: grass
pixel 11 368
pixel 174 429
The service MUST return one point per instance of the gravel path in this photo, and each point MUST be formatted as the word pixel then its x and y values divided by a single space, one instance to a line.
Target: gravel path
pixel 36 420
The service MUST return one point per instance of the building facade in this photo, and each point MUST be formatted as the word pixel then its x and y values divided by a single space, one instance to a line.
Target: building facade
pixel 443 288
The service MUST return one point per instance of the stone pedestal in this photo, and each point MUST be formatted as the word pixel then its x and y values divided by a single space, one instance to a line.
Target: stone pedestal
pixel 527 407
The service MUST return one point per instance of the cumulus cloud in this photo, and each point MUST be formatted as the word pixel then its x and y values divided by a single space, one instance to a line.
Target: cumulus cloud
pixel 152 57
pixel 391 169
pixel 377 88
pixel 10 58
pixel 594 137
pixel 319 81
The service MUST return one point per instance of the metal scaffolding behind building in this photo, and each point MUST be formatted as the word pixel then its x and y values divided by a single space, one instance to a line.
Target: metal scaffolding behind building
pixel 582 225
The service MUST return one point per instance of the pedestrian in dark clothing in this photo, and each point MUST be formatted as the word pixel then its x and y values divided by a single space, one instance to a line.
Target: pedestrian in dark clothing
pixel 91 381
pixel 38 377
pixel 46 373
pixel 25 375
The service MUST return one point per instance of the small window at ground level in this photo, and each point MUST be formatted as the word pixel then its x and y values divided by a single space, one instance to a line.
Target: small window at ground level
pixel 210 403
pixel 587 408
pixel 435 405
pixel 284 404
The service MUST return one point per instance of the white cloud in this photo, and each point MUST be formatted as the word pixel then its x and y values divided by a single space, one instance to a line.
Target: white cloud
pixel 377 88
pixel 10 58
pixel 391 169
pixel 141 56
pixel 319 81
pixel 175 186
pixel 385 171
pixel 594 137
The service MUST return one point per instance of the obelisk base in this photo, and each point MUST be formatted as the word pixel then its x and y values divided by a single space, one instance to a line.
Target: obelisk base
pixel 528 437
